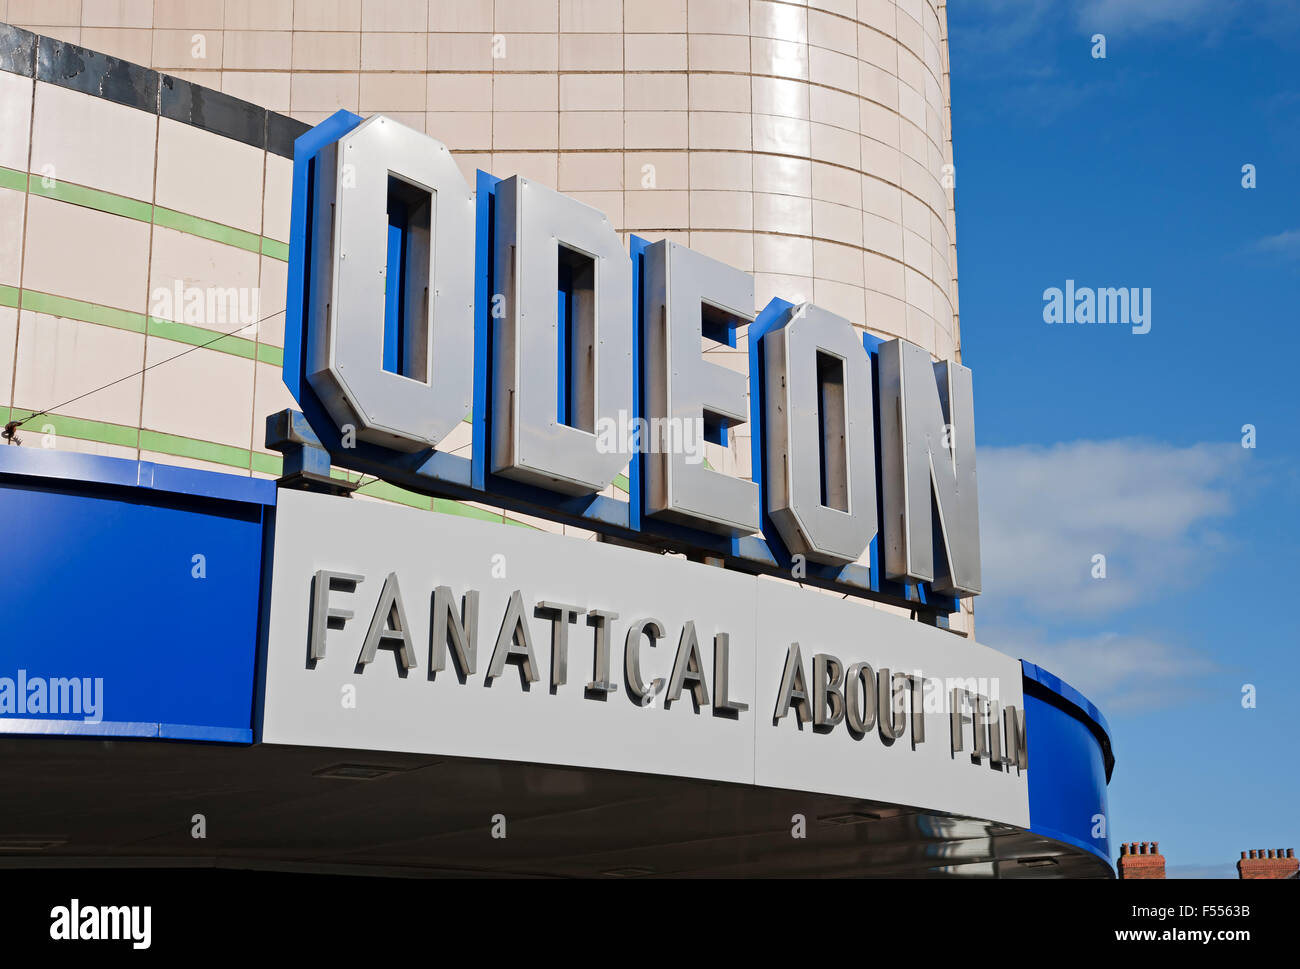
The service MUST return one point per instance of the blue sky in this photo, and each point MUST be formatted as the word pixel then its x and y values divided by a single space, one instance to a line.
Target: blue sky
pixel 1127 171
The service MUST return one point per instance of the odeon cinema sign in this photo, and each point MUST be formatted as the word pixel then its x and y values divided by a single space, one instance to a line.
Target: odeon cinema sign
pixel 417 303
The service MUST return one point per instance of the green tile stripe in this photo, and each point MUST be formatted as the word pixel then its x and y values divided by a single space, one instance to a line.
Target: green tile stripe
pixel 620 482
pixel 449 507
pixel 188 447
pixel 84 429
pixel 103 432
pixel 100 200
pixel 197 336
pixel 275 249
pixel 268 463
pixel 13 179
pixel 193 225
pixel 80 428
pixel 382 489
pixel 76 309
pixel 90 198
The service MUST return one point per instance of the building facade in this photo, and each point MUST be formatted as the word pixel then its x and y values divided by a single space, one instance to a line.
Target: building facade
pixel 149 339
pixel 809 144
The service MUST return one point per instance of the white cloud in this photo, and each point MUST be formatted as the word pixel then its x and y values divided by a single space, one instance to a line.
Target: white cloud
pixel 1140 15
pixel 1151 509
pixel 1287 242
pixel 1269 20
pixel 997 27
pixel 1154 510
pixel 1012 31
pixel 1120 673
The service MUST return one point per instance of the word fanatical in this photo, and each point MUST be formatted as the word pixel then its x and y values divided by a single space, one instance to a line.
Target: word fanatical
pixel 892 704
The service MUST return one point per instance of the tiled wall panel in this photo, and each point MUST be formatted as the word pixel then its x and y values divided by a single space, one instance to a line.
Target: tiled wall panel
pixel 806 142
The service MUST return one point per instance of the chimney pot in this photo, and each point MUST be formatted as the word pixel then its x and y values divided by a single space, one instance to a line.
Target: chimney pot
pixel 1150 866
pixel 1290 852
pixel 1243 854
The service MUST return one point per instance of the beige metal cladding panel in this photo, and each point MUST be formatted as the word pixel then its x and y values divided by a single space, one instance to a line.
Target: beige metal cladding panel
pixel 802 142
pixel 854 86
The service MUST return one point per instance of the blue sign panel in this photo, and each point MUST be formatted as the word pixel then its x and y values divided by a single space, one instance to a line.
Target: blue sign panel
pixel 133 595
pixel 1070 762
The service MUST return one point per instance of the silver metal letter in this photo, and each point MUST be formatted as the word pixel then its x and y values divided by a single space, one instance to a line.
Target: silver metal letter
pixel 918 709
pixel 461 630
pixel 562 616
pixel 722 676
pixel 820 436
pixel 653 630
pixel 688 667
pixel 828 685
pixel 345 335
pixel 538 231
pixel 323 616
pixel 1017 747
pixel 388 628
pixel 957 717
pixel 600 621
pixel 514 643
pixel 891 704
pixel 995 733
pixel 860 692
pixel 927 448
pixel 980 710
pixel 794 688
pixel 683 288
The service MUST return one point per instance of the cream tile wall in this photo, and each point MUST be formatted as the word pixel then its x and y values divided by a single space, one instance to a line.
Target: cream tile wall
pixel 853 93
pixel 802 140
pixel 87 272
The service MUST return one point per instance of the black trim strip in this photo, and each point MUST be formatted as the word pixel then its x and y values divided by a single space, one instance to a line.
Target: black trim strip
pixel 1051 697
pixel 212 111
pixel 99 75
pixel 17 51
pixel 281 132
pixel 90 72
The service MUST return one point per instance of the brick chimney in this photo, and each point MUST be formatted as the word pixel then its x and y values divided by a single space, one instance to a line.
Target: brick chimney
pixel 1275 863
pixel 1136 861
